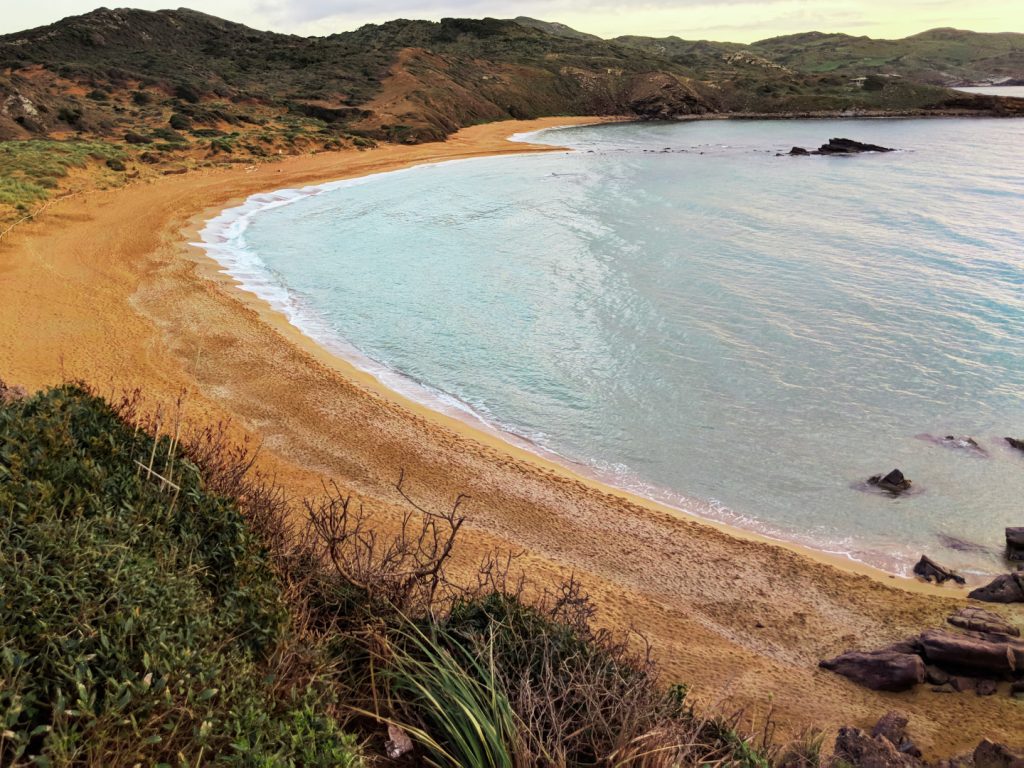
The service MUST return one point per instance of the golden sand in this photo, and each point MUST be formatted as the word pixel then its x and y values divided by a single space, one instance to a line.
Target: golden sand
pixel 106 288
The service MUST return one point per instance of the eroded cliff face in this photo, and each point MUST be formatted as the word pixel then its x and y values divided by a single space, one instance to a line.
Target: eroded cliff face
pixel 427 96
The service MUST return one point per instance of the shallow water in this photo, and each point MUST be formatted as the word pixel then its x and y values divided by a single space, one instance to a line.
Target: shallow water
pixel 689 316
pixel 1017 91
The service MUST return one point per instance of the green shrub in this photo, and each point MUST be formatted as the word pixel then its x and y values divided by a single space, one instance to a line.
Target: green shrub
pixel 137 614
pixel 29 169
pixel 463 717
pixel 180 122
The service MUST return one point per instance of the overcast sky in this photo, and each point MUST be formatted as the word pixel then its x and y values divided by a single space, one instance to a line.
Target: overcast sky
pixel 734 20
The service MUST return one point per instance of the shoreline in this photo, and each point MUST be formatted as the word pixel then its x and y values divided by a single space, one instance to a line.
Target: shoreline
pixel 212 237
pixel 106 289
pixel 349 362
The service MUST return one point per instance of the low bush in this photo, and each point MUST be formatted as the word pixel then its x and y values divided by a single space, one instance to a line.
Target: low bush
pixel 139 619
pixel 30 169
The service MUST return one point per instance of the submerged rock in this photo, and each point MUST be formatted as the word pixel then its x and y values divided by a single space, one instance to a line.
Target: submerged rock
pixel 895 482
pixel 879 670
pixel 1003 589
pixel 962 545
pixel 977 619
pixel 929 570
pixel 1015 443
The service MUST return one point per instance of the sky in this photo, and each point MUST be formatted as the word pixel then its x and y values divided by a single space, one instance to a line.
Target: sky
pixel 740 21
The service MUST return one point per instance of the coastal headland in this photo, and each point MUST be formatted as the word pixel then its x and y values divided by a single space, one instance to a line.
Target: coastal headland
pixel 105 287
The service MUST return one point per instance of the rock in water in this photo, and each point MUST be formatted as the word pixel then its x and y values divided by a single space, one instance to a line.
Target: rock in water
pixel 849 147
pixel 979 654
pixel 1015 443
pixel 929 570
pixel 979 620
pixel 1015 543
pixel 1002 589
pixel 840 147
pixel 895 482
pixel 879 670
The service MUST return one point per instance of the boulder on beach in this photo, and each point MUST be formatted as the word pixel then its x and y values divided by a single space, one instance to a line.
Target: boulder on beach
pixel 983 655
pixel 857 748
pixel 991 754
pixel 895 482
pixel 1015 543
pixel 879 670
pixel 976 619
pixel 929 570
pixel 1008 588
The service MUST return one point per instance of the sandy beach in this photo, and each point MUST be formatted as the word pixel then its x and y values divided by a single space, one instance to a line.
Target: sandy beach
pixel 105 287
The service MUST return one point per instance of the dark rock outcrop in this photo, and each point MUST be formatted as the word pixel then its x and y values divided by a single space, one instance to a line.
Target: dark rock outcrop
pixel 850 147
pixel 1003 589
pixel 1015 543
pixel 841 147
pixel 857 748
pixel 929 570
pixel 990 754
pixel 879 670
pixel 979 620
pixel 892 726
pixel 895 482
pixel 984 655
pixel 985 687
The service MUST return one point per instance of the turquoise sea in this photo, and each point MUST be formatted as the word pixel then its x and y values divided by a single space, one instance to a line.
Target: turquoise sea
pixel 677 310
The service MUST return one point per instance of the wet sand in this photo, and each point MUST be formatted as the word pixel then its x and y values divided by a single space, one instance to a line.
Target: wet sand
pixel 105 287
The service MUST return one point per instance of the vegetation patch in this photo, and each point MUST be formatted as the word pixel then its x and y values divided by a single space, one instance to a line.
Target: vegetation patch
pixel 139 619
pixel 31 170
pixel 161 603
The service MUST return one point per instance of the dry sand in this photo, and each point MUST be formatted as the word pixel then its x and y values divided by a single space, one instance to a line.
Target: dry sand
pixel 105 288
